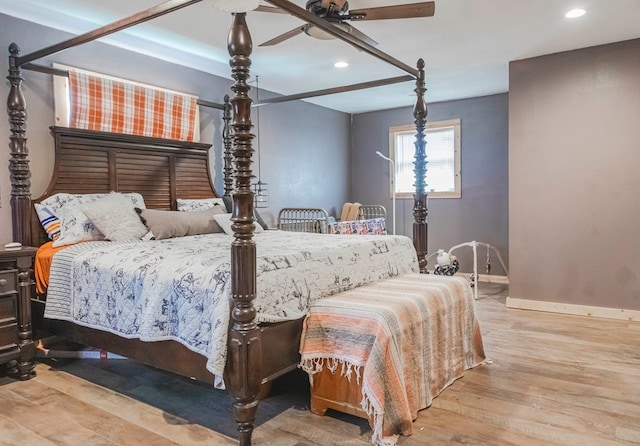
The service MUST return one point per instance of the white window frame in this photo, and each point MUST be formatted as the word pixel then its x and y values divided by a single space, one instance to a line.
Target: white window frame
pixel 411 129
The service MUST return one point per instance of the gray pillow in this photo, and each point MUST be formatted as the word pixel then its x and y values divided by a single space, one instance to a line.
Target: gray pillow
pixel 167 224
pixel 259 219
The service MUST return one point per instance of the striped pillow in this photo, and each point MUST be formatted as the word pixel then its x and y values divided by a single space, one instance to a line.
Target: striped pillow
pixel 50 222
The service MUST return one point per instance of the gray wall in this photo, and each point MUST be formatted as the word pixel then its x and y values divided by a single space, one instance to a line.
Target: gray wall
pixel 302 162
pixel 481 213
pixel 574 155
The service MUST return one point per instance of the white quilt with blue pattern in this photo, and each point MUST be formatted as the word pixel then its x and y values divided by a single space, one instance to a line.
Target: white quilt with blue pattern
pixel 180 288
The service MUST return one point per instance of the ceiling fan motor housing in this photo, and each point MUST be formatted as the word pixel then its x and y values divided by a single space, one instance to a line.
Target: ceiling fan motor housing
pixel 337 13
pixel 315 7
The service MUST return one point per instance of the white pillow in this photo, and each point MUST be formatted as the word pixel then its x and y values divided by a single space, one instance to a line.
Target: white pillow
pixel 115 216
pixel 57 202
pixel 184 204
pixel 75 226
pixel 224 221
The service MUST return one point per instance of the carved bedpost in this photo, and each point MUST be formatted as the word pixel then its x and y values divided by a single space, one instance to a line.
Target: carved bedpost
pixel 227 143
pixel 19 162
pixel 243 373
pixel 420 210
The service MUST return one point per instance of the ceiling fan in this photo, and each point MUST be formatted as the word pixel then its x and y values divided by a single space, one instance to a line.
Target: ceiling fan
pixel 337 12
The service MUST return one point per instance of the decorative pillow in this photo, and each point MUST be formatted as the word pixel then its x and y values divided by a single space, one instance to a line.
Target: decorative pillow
pixel 372 226
pixel 57 202
pixel 136 198
pixel 115 216
pixel 260 222
pixel 228 204
pixel 224 220
pixel 50 222
pixel 75 226
pixel 198 204
pixel 167 224
pixel 258 227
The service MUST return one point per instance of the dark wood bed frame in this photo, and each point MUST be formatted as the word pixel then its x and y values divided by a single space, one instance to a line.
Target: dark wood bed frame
pixel 164 170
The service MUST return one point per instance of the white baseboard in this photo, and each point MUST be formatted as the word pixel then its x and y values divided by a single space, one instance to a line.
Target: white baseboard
pixel 489 278
pixel 580 310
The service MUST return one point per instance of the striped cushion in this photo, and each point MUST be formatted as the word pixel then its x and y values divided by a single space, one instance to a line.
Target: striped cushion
pixel 50 222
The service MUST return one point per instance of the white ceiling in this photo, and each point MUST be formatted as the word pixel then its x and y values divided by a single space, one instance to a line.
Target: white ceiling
pixel 467 45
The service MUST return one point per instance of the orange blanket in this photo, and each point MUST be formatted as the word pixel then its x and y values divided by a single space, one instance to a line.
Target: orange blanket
pixel 44 256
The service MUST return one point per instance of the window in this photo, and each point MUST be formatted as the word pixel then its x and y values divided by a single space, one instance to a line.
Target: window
pixel 443 159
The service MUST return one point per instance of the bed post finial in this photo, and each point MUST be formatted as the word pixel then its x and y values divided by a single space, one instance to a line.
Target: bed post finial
pixel 243 374
pixel 20 173
pixel 420 210
pixel 227 143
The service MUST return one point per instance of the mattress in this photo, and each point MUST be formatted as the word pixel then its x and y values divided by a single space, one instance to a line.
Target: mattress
pixel 180 288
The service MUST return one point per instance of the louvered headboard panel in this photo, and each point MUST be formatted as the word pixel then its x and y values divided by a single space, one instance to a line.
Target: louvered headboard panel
pixel 161 170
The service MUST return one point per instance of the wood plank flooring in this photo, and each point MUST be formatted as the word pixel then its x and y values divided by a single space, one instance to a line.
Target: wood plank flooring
pixel 552 380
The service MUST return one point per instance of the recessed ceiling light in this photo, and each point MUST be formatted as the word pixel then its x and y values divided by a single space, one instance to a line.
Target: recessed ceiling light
pixel 575 13
pixel 341 64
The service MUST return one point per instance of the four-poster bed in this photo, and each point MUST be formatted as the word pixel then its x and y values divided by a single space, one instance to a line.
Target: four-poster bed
pixel 247 367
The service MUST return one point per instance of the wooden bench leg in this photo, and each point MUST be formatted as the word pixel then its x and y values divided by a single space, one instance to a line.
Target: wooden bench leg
pixel 333 391
pixel 318 406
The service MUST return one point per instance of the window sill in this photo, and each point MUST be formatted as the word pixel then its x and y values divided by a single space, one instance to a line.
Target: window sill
pixel 431 195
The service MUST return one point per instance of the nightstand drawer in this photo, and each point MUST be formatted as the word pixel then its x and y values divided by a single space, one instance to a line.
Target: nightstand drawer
pixel 8 336
pixel 8 281
pixel 8 308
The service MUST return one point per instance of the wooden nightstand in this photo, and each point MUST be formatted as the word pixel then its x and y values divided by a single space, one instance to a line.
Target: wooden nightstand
pixel 17 348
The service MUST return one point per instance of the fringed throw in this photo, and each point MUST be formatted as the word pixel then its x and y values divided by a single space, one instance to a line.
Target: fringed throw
pixel 404 339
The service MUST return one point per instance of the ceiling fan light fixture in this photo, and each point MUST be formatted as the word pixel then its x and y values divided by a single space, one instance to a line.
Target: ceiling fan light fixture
pixel 574 13
pixel 235 5
pixel 318 33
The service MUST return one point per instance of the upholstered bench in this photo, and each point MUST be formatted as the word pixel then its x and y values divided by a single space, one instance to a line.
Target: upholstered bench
pixel 383 351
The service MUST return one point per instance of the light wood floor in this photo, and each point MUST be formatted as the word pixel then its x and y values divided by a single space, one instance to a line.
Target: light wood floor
pixel 554 380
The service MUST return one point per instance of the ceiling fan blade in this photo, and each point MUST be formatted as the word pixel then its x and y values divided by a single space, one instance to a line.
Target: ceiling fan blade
pixel 282 37
pixel 262 8
pixel 362 36
pixel 408 11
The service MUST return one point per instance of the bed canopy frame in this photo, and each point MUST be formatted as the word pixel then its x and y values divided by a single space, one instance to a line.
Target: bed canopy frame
pixel 243 374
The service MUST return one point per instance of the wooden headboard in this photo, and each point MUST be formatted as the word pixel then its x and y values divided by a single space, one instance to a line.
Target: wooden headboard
pixel 161 170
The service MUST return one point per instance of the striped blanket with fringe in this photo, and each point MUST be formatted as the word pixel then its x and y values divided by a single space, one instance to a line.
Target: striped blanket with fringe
pixel 404 339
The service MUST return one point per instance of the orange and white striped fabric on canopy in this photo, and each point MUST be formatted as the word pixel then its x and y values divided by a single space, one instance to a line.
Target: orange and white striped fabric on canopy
pixel 110 105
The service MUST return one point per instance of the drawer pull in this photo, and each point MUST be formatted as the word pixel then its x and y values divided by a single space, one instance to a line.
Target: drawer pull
pixel 3 282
